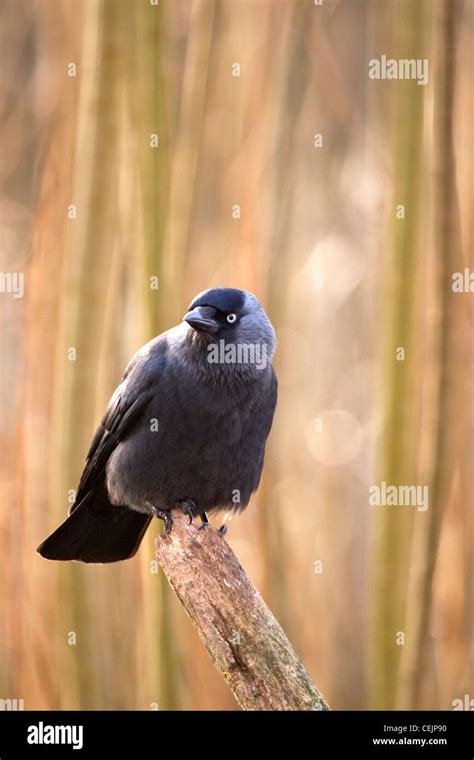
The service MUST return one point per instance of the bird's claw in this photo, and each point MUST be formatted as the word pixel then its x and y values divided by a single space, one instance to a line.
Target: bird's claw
pixel 188 508
pixel 204 520
pixel 166 517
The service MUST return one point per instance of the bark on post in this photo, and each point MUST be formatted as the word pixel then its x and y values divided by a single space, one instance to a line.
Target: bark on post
pixel 244 641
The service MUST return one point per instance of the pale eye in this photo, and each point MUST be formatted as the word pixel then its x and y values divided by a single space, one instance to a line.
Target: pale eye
pixel 231 318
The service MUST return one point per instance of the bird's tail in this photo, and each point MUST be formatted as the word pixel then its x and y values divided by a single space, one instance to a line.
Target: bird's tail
pixel 96 531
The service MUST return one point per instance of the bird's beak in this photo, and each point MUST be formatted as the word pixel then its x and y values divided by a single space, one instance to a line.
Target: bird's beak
pixel 201 318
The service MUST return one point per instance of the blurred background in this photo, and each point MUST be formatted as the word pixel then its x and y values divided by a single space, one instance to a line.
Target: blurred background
pixel 154 149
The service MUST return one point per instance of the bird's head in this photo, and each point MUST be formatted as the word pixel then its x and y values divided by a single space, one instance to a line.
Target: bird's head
pixel 232 327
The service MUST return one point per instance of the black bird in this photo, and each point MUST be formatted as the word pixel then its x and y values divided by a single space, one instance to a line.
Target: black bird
pixel 185 428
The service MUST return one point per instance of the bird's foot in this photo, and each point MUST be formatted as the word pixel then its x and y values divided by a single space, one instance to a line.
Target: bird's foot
pixel 165 516
pixel 204 520
pixel 188 507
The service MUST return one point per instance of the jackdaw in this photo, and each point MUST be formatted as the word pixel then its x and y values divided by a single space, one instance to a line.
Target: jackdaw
pixel 186 428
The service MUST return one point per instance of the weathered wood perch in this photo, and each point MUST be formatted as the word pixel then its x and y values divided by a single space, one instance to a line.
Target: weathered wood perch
pixel 245 642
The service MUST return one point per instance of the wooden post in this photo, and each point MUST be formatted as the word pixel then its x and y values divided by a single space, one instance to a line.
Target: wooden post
pixel 244 641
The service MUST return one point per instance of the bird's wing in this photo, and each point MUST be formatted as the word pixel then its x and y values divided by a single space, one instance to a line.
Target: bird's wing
pixel 268 409
pixel 121 415
pixel 273 398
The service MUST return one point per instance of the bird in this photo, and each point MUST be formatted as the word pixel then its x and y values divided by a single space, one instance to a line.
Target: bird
pixel 185 429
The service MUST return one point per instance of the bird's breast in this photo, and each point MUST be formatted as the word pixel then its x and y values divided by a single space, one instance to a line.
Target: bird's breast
pixel 199 443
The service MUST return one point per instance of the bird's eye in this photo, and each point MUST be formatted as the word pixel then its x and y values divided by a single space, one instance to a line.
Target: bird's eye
pixel 231 318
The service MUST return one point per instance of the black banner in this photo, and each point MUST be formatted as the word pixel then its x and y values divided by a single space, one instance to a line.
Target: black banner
pixel 378 734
